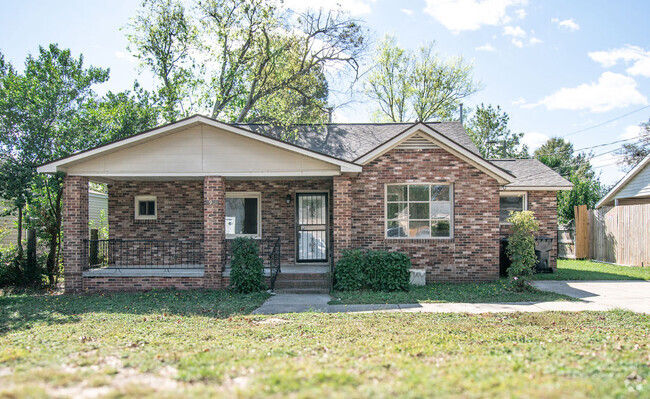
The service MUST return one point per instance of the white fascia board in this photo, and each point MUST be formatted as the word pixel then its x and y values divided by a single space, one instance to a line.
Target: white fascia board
pixel 57 166
pixel 609 196
pixel 311 173
pixel 446 144
pixel 537 188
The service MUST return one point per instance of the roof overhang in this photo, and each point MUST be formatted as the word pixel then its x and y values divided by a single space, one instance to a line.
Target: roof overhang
pixel 536 188
pixel 629 176
pixel 61 164
pixel 445 143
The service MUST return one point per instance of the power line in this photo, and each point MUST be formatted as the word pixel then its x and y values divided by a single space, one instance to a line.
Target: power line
pixel 605 144
pixel 606 122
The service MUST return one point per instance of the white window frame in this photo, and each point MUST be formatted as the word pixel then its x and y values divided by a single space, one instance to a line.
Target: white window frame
pixel 137 200
pixel 523 194
pixel 247 194
pixel 451 210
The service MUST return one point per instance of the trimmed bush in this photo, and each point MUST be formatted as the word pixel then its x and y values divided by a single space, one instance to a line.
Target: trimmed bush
pixel 350 274
pixel 247 268
pixel 521 248
pixel 375 270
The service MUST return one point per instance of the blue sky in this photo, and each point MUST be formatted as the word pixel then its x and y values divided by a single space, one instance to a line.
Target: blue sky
pixel 556 67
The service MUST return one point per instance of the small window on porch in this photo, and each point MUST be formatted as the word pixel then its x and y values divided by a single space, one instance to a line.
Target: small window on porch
pixel 146 207
pixel 243 215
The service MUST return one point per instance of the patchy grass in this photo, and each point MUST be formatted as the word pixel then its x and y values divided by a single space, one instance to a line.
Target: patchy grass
pixel 587 270
pixel 193 344
pixel 491 292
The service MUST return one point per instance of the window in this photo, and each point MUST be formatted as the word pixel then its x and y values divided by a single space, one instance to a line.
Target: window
pixel 419 210
pixel 243 216
pixel 146 207
pixel 511 202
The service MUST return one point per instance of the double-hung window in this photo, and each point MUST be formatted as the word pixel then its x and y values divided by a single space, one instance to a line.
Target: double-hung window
pixel 243 215
pixel 146 207
pixel 419 211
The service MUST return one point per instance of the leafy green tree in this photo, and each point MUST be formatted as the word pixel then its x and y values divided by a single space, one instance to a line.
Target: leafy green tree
pixel 488 129
pixel 421 85
pixel 633 153
pixel 248 60
pixel 558 154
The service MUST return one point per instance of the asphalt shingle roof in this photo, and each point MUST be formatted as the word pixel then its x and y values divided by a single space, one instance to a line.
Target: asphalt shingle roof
pixel 349 141
pixel 531 173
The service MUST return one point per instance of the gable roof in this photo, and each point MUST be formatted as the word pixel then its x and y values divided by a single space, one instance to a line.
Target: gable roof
pixel 531 174
pixel 350 141
pixel 624 181
pixel 51 167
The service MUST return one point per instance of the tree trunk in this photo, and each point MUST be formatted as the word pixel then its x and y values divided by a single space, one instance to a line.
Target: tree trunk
pixel 52 255
pixel 20 233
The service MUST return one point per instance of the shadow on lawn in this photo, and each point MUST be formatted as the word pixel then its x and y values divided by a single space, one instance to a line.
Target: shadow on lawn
pixel 24 311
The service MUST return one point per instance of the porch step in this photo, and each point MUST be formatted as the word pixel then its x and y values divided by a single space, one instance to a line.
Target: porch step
pixel 302 283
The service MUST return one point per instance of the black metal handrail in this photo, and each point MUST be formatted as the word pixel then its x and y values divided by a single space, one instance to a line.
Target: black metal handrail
pixel 139 254
pixel 274 262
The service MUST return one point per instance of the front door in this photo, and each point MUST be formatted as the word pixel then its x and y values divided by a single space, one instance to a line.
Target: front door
pixel 311 227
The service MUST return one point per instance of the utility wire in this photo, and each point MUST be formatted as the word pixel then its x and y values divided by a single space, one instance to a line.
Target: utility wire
pixel 605 123
pixel 605 144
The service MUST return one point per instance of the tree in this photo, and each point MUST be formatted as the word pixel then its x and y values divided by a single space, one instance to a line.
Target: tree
pixel 36 113
pixel 488 129
pixel 420 85
pixel 633 153
pixel 558 154
pixel 250 60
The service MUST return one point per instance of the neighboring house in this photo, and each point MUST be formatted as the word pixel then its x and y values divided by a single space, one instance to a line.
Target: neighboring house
pixel 632 189
pixel 97 202
pixel 179 193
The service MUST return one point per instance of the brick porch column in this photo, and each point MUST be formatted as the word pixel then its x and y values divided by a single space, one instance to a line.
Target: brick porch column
pixel 214 229
pixel 75 230
pixel 342 202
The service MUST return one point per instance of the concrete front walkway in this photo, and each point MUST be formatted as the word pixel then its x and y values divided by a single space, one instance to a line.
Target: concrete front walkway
pixel 595 296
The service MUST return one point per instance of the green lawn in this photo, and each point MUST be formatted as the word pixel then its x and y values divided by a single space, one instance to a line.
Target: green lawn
pixel 172 344
pixel 587 270
pixel 490 292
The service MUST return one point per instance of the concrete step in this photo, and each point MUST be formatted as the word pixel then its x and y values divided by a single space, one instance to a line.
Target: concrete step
pixel 302 290
pixel 282 284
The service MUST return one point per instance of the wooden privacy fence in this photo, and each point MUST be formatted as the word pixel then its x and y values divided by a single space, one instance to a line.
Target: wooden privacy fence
pixel 618 234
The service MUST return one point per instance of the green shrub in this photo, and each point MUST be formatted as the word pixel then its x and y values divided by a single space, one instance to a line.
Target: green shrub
pixel 247 268
pixel 375 270
pixel 349 273
pixel 9 268
pixel 521 248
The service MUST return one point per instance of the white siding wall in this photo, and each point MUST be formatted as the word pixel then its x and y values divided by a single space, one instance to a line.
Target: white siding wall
pixel 638 186
pixel 97 202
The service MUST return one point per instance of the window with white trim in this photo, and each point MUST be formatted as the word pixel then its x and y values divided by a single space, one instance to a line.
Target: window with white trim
pixel 511 202
pixel 243 215
pixel 146 207
pixel 419 210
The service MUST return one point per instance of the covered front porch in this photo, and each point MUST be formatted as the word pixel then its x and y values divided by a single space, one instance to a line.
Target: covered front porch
pixel 178 233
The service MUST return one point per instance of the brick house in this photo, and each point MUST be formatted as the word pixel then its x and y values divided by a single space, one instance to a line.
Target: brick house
pixel 179 193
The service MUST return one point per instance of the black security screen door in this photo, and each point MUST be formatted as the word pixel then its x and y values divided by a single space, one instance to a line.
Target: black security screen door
pixel 311 222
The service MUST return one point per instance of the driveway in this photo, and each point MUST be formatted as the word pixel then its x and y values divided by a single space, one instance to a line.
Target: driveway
pixel 631 295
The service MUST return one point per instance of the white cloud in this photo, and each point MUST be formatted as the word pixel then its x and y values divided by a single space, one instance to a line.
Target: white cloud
pixel 462 15
pixel 485 47
pixel 354 7
pixel 520 13
pixel 611 91
pixel 514 32
pixel 125 56
pixel 639 58
pixel 568 24
pixel 632 132
pixel 518 101
pixel 407 11
pixel 534 140
pixel 518 43
pixel 605 159
pixel 534 40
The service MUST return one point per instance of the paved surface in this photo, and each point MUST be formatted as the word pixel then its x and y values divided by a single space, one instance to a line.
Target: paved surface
pixel 595 295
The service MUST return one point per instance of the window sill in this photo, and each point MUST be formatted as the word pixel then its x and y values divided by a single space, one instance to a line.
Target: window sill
pixel 231 237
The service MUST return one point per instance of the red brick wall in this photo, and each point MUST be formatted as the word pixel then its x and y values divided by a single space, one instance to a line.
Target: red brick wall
pixel 278 217
pixel 342 215
pixel 75 230
pixel 118 284
pixel 213 218
pixel 472 254
pixel 180 210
